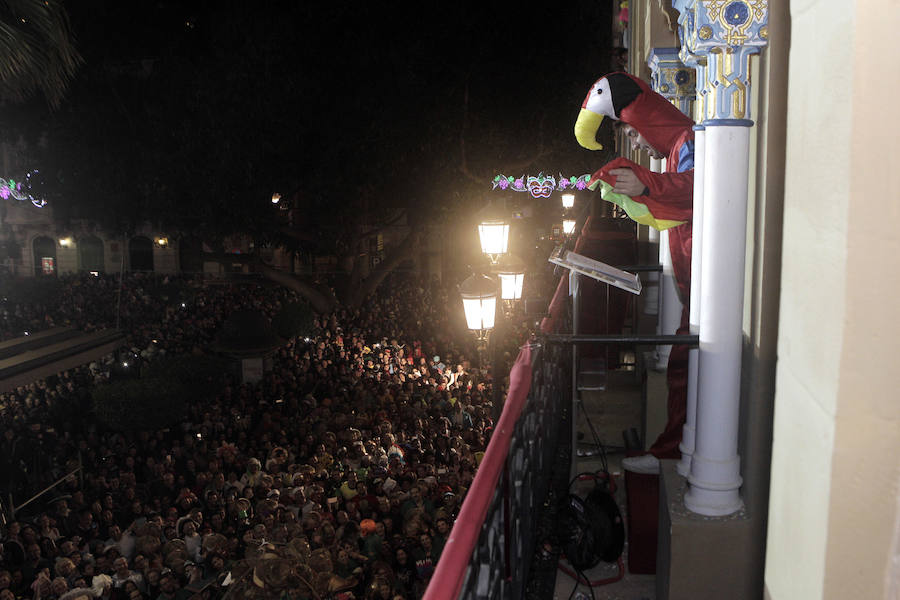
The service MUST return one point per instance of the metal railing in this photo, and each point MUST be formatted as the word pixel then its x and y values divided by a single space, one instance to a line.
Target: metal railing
pixel 10 511
pixel 489 553
pixel 489 557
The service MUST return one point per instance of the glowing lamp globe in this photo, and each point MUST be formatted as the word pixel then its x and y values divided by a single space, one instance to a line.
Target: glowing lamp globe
pixel 493 231
pixel 494 237
pixel 479 298
pixel 511 272
pixel 568 200
pixel 568 226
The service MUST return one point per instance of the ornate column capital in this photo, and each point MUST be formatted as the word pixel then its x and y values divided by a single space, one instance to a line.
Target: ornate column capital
pixel 724 33
pixel 671 78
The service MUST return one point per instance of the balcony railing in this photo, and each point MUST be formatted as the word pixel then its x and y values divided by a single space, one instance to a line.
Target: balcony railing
pixel 489 551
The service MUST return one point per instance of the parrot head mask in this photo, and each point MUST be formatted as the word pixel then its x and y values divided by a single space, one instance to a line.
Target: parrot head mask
pixel 621 96
pixel 606 98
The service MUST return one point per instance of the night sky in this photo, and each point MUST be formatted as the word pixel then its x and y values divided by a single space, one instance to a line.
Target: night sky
pixel 230 100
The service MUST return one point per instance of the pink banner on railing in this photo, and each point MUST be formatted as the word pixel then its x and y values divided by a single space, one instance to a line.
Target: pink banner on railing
pixel 451 569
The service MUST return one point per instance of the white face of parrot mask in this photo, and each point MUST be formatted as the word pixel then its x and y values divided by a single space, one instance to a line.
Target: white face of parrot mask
pixel 597 104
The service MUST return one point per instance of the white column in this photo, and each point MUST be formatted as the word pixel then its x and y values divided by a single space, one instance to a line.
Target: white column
pixel 726 36
pixel 690 424
pixel 715 478
pixel 670 306
pixel 651 298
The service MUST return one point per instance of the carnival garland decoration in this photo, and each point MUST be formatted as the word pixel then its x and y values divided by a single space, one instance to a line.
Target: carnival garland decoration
pixel 20 190
pixel 540 186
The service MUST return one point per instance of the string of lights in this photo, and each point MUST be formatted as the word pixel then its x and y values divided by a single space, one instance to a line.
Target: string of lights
pixel 540 186
pixel 20 190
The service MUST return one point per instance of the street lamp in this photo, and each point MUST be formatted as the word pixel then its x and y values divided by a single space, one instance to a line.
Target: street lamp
pixel 511 271
pixel 568 201
pixel 479 298
pixel 493 232
pixel 568 226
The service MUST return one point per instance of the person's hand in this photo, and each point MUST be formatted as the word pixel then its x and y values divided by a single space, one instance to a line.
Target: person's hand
pixel 627 182
pixel 40 580
pixel 41 584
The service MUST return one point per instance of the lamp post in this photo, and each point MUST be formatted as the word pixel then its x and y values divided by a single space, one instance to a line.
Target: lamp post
pixel 493 233
pixel 568 226
pixel 568 201
pixel 511 272
pixel 479 298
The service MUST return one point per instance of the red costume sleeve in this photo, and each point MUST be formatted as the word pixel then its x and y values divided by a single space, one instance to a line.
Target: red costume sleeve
pixel 671 194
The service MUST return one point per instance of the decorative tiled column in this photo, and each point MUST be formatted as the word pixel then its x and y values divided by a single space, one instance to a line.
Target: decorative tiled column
pixel 726 33
pixel 672 80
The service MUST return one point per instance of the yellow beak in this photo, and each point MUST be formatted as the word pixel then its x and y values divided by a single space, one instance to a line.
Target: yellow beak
pixel 586 129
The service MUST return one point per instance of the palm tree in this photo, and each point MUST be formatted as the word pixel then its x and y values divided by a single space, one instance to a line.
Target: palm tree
pixel 37 50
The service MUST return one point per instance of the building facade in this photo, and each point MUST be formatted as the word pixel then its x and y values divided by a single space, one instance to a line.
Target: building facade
pixel 796 111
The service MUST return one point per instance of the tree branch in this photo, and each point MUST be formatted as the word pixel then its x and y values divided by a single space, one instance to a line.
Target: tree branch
pixel 319 295
pixel 397 256
pixel 401 212
pixel 295 234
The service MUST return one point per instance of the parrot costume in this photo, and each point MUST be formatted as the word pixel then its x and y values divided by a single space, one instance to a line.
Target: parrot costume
pixel 668 201
pixel 666 204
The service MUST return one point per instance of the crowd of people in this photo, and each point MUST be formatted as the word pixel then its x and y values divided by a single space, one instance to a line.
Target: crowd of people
pixel 339 474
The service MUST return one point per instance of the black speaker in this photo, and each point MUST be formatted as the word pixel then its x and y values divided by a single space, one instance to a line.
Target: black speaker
pixel 591 530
